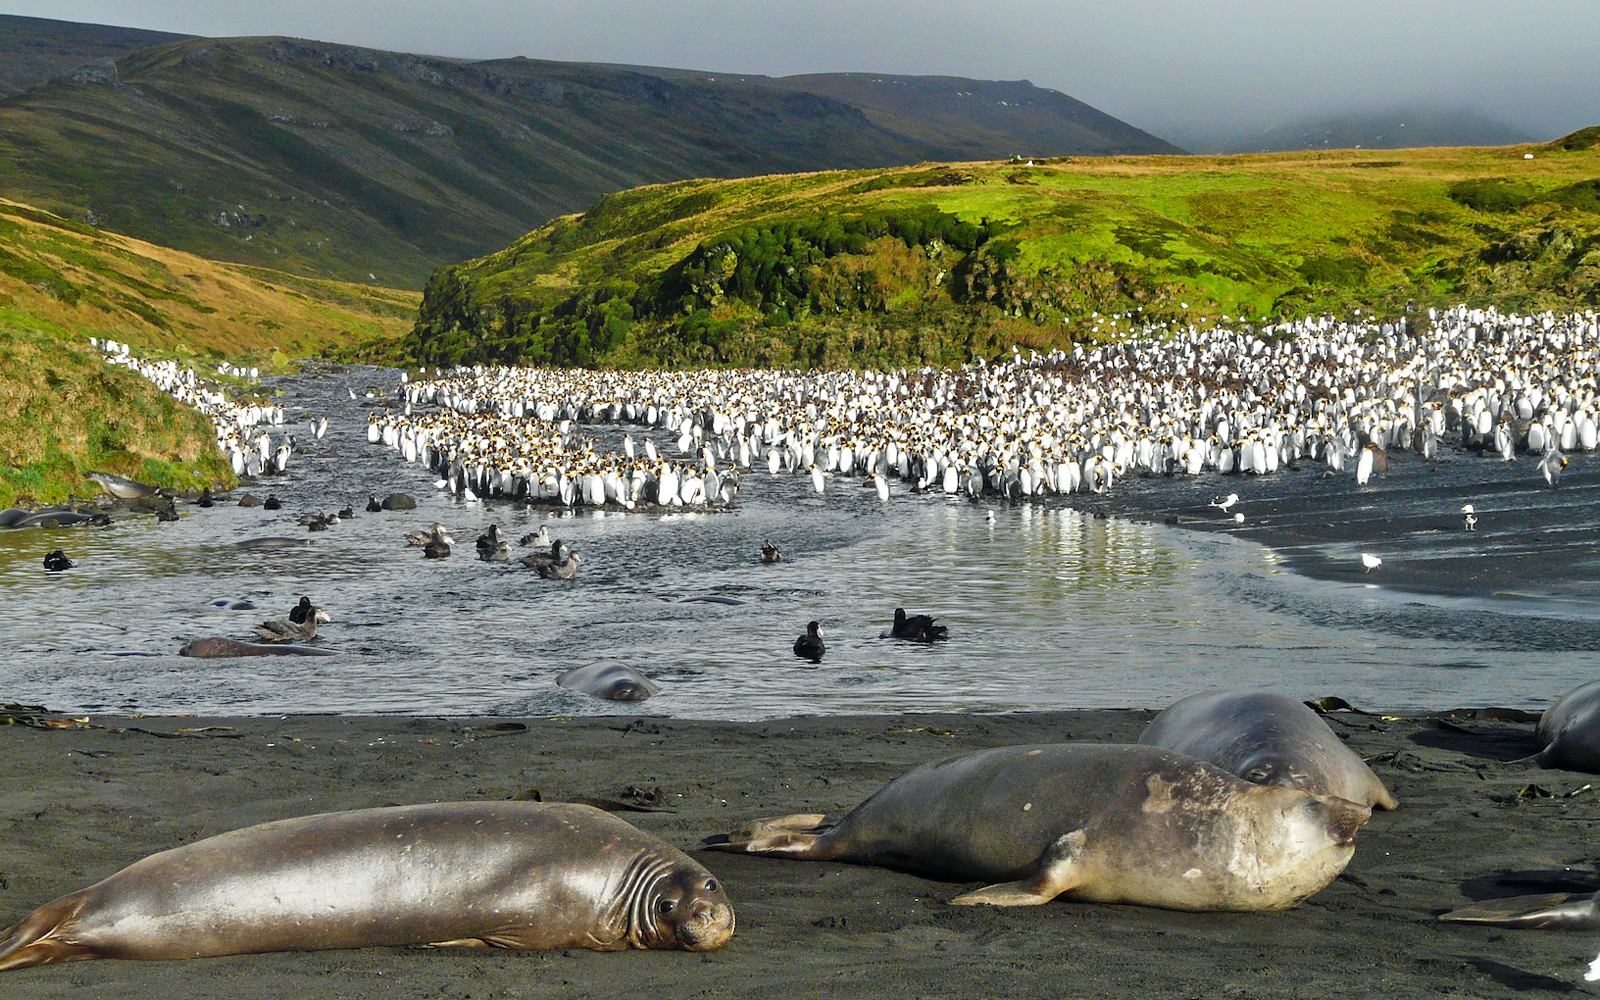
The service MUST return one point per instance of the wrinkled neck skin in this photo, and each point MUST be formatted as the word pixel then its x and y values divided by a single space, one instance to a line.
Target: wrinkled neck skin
pixel 698 922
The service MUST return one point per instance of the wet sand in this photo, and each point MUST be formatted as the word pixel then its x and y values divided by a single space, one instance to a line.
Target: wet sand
pixel 78 804
pixel 1530 543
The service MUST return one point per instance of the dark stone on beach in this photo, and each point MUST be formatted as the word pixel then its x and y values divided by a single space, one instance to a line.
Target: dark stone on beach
pixel 249 500
pixel 398 501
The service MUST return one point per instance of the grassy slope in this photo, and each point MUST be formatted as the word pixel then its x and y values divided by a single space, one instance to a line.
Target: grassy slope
pixel 63 411
pixel 343 162
pixel 1178 238
pixel 34 49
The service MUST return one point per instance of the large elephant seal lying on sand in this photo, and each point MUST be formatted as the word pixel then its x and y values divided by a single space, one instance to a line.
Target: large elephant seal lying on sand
pixel 1094 822
pixel 1569 731
pixel 502 874
pixel 1269 739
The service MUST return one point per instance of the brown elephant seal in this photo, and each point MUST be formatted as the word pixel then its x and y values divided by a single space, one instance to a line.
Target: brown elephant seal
pixel 213 647
pixel 1569 731
pixel 1269 739
pixel 610 680
pixel 1094 822
pixel 503 874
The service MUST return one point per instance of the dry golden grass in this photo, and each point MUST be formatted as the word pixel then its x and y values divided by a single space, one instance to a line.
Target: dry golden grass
pixel 64 411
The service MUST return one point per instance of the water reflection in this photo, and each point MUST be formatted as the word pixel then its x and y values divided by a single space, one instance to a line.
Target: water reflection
pixel 1047 607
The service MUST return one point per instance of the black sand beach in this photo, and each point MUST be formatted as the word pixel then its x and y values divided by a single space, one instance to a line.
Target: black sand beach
pixel 80 803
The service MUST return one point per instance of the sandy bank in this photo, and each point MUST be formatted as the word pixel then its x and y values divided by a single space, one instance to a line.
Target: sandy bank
pixel 80 803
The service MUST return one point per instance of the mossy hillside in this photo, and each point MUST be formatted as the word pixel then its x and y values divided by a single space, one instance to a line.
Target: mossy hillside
pixel 64 411
pixel 745 272
pixel 168 302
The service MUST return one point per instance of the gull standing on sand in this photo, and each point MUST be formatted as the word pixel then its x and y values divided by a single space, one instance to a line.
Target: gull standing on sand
pixel 1226 503
pixel 1469 518
pixel 1370 561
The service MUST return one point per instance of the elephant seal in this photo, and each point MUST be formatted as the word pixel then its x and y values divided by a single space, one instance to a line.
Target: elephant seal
pixel 1270 739
pixel 610 680
pixel 11 515
pixel 501 874
pixel 273 542
pixel 1569 731
pixel 1095 822
pixel 215 646
pixel 61 518
pixel 122 489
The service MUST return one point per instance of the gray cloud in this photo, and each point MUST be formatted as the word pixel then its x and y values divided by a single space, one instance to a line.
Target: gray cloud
pixel 1174 67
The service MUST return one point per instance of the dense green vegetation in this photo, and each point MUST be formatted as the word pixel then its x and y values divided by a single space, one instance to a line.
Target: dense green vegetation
pixel 64 411
pixel 938 263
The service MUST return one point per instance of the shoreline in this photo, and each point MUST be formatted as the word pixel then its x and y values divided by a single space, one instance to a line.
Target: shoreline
pixel 83 802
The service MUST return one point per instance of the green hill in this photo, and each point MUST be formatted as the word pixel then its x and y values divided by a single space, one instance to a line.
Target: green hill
pixel 941 263
pixel 64 411
pixel 35 49
pixel 345 162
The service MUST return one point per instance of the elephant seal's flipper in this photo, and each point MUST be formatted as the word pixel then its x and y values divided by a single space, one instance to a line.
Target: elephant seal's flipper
pixel 1060 869
pixel 35 940
pixel 1559 910
pixel 781 836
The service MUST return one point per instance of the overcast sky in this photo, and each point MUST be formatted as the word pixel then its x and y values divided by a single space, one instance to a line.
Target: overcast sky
pixel 1172 67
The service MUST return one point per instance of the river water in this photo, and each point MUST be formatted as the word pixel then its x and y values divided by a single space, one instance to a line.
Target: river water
pixel 1095 603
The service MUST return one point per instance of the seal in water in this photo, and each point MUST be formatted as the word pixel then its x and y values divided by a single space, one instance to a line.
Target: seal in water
pixel 1095 822
pixel 122 489
pixel 1569 731
pixel 499 874
pixel 215 647
pixel 610 680
pixel 1270 739
pixel 56 517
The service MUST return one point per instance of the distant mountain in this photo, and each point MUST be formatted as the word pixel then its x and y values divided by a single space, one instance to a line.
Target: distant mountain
pixel 35 49
pixel 1392 129
pixel 348 162
pixel 964 119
